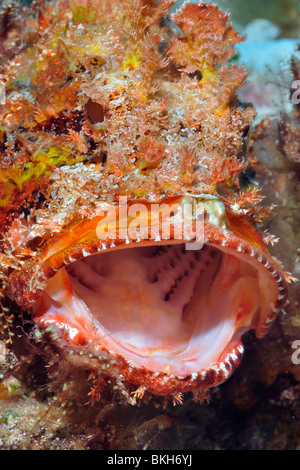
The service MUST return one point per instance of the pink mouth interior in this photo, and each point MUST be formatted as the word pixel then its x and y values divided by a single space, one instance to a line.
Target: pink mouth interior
pixel 160 307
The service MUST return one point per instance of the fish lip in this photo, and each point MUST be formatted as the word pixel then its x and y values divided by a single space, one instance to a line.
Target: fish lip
pixel 168 384
pixel 157 383
pixel 29 286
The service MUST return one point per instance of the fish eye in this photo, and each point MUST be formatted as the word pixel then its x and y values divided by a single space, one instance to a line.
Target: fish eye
pixel 95 111
pixel 246 131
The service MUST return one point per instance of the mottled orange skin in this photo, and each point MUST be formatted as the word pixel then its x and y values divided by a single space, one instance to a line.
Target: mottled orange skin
pixel 109 102
pixel 50 126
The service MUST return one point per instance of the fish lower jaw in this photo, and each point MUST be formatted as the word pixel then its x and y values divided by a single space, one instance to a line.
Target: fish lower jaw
pixel 161 381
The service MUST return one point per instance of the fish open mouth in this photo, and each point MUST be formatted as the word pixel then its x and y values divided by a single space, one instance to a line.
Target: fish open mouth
pixel 172 318
pixel 161 307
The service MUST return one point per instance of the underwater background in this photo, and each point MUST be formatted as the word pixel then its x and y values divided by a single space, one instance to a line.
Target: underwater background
pixel 259 406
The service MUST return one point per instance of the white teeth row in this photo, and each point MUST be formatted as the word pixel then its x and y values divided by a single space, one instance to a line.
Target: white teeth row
pixel 221 367
pixel 194 376
pixel 221 370
pixel 224 370
pixel 105 246
pixel 261 258
pixel 230 360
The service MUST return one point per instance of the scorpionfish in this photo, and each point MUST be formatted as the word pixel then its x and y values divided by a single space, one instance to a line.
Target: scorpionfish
pixel 113 107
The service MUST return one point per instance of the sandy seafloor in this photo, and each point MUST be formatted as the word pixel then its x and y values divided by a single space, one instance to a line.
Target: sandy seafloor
pixel 259 406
